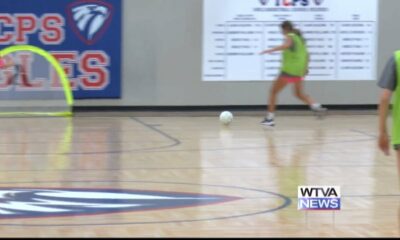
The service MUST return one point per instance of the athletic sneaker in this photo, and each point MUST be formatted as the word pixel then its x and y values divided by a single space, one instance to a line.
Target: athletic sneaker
pixel 268 122
pixel 318 108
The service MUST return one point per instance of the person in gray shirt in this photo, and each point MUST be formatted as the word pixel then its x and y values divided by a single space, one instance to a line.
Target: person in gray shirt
pixel 388 82
pixel 389 76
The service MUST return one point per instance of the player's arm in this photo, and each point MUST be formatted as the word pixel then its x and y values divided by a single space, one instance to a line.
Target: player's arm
pixel 384 104
pixel 388 84
pixel 287 44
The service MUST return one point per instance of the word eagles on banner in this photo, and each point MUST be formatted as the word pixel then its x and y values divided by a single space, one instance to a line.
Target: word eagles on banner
pixel 84 36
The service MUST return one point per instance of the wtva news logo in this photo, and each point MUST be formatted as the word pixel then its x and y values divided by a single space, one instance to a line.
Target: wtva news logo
pixel 319 198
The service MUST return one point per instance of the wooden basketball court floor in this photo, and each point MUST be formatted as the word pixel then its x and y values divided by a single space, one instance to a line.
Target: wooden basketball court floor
pixel 236 181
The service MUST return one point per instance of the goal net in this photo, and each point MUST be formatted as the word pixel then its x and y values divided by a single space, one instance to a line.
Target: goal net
pixel 33 83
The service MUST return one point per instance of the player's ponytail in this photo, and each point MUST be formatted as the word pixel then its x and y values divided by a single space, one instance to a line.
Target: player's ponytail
pixel 298 33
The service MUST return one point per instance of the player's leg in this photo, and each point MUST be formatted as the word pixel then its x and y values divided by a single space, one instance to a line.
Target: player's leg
pixel 277 87
pixel 299 93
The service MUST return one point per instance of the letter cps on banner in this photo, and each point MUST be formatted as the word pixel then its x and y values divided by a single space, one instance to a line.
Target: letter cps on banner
pixel 84 35
pixel 319 198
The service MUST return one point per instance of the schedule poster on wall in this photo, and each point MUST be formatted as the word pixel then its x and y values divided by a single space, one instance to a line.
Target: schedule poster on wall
pixel 341 38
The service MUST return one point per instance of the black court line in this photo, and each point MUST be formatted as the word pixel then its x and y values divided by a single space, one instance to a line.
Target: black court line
pixel 364 133
pixel 175 141
pixel 264 147
pixel 199 168
pixel 286 202
pixel 165 148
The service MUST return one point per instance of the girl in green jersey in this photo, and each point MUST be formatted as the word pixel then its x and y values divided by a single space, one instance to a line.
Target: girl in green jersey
pixel 294 69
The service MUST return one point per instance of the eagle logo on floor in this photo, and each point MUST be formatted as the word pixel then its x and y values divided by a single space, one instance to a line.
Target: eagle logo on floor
pixel 27 203
pixel 90 19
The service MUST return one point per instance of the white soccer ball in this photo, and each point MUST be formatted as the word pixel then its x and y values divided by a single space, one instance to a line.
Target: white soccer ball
pixel 226 117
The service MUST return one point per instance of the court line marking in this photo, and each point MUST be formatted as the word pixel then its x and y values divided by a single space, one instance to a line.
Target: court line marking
pixel 153 128
pixel 191 168
pixel 364 133
pixel 162 149
pixel 175 142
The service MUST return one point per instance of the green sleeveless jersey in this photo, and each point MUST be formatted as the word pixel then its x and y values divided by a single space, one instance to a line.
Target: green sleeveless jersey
pixel 295 57
pixel 396 104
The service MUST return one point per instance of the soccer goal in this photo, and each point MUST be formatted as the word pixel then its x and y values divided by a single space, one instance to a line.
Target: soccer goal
pixel 33 83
